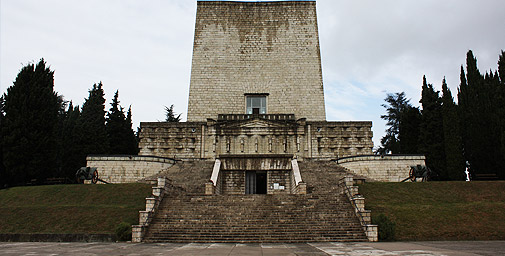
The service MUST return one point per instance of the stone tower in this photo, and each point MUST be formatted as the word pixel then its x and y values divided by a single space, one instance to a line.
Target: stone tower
pixel 256 55
pixel 256 89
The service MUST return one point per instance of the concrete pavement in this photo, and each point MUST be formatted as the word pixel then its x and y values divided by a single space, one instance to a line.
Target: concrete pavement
pixel 464 248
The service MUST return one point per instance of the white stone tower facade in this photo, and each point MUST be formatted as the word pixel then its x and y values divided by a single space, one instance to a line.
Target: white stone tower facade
pixel 256 54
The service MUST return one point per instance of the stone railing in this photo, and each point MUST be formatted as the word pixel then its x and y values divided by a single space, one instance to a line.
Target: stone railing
pixel 212 187
pixel 128 168
pixel 387 168
pixel 239 117
pixel 152 203
pixel 297 186
pixel 358 202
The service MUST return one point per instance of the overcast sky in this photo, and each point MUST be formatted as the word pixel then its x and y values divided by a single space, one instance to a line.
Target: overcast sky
pixel 143 49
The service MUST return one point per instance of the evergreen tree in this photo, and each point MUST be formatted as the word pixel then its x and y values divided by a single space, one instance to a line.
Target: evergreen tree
pixel 71 149
pixel 3 176
pixel 170 114
pixel 432 135
pixel 120 135
pixel 91 124
pixel 454 161
pixel 396 103
pixel 31 107
pixel 479 117
pixel 501 67
pixel 501 107
pixel 410 123
pixel 133 143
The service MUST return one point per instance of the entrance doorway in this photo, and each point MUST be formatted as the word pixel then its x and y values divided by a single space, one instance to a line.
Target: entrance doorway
pixel 255 182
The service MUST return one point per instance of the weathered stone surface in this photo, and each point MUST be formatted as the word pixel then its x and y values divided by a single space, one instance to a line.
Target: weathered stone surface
pixel 324 214
pixel 256 135
pixel 128 169
pixel 389 168
pixel 243 48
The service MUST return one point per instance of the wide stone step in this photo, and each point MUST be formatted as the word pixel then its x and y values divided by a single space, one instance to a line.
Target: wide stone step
pixel 323 215
pixel 288 232
pixel 247 237
pixel 254 240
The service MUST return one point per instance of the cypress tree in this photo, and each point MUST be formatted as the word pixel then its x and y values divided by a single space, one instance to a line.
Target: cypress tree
pixel 3 175
pixel 91 124
pixel 133 144
pixel 465 101
pixel 31 108
pixel 480 119
pixel 432 135
pixel 72 156
pixel 120 135
pixel 454 161
pixel 410 123
pixel 501 67
pixel 501 109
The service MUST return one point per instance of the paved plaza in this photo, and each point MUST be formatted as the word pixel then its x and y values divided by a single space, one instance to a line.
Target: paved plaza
pixel 397 248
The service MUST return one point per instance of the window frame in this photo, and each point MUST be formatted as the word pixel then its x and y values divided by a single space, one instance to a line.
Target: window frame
pixel 248 98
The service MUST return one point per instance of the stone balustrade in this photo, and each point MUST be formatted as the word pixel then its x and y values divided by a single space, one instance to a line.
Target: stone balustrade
pixel 358 202
pixel 152 203
pixel 387 168
pixel 128 169
pixel 297 186
pixel 213 186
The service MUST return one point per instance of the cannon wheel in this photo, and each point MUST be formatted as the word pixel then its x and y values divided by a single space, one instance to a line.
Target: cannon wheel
pixel 94 179
pixel 412 175
pixel 78 179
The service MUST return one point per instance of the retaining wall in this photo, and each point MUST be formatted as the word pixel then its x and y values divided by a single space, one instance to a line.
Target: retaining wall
pixel 128 169
pixel 387 168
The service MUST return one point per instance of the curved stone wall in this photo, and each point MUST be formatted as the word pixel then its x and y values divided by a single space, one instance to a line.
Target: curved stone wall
pixel 128 169
pixel 388 168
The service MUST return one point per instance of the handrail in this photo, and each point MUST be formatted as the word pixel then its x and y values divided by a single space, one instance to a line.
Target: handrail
pixel 358 212
pixel 371 230
pixel 296 171
pixel 215 171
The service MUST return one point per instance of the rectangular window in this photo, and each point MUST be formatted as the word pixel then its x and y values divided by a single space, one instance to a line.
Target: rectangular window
pixel 256 104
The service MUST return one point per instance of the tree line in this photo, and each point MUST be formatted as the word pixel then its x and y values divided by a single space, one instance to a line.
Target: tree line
pixel 44 136
pixel 453 136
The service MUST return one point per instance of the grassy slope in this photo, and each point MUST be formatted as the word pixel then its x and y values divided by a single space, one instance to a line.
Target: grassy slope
pixel 70 208
pixel 440 210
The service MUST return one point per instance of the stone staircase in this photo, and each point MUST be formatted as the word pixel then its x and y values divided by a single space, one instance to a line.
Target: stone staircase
pixel 324 214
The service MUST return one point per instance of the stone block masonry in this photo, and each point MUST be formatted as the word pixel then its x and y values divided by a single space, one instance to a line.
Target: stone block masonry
pixel 358 203
pixel 246 134
pixel 388 168
pixel 251 48
pixel 128 169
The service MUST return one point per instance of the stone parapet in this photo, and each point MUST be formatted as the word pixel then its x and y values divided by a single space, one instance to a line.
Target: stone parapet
pixel 297 184
pixel 127 169
pixel 358 202
pixel 256 134
pixel 387 168
pixel 152 204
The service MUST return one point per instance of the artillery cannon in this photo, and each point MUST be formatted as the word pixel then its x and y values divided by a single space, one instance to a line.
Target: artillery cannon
pixel 418 171
pixel 88 173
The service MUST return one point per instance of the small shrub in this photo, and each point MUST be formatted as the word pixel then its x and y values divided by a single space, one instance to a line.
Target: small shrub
pixel 124 231
pixel 386 227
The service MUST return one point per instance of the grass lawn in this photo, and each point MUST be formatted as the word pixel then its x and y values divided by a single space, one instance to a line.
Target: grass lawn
pixel 440 210
pixel 71 208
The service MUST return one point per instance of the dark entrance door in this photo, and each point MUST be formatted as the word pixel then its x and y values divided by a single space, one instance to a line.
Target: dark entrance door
pixel 255 182
pixel 261 182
